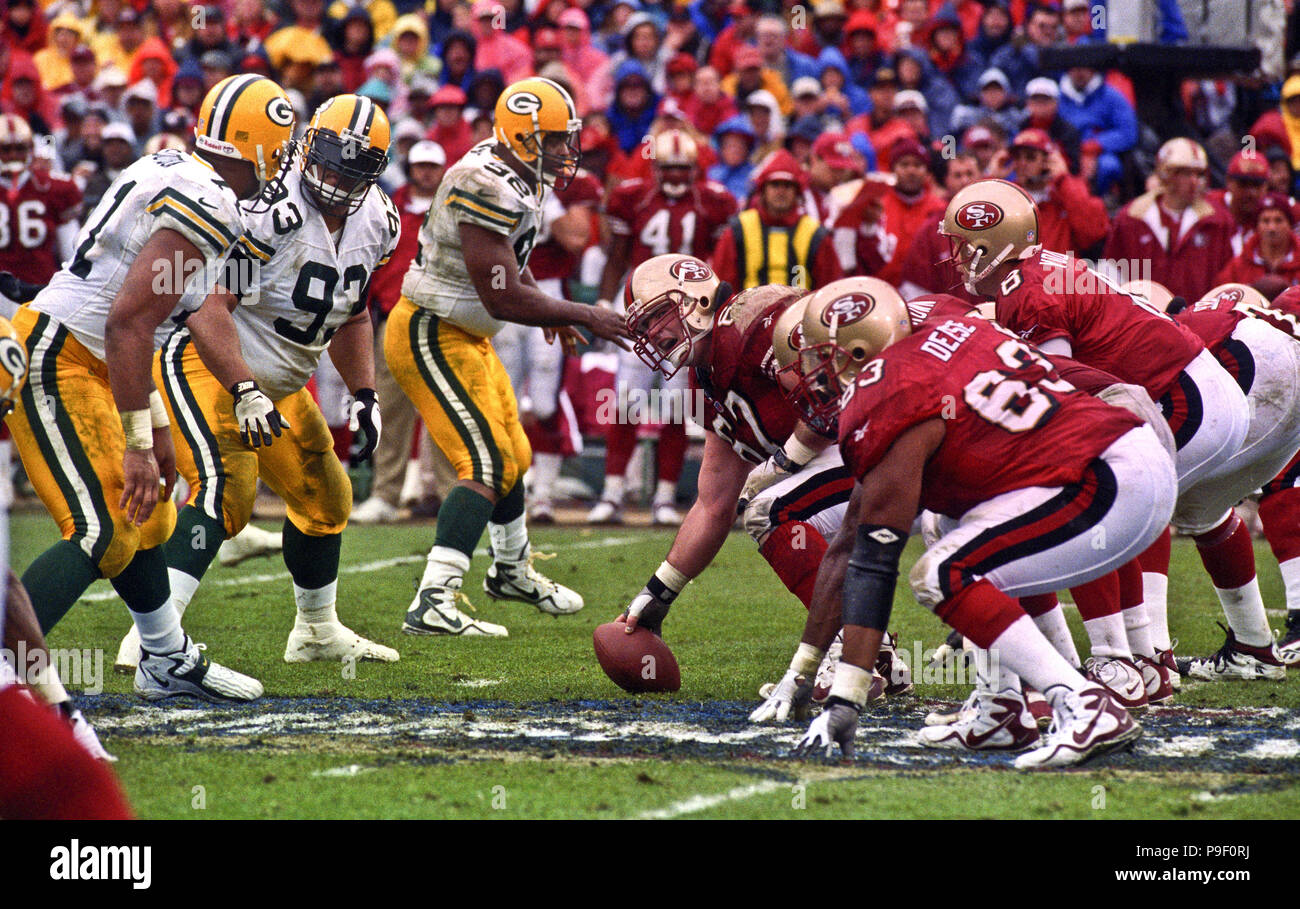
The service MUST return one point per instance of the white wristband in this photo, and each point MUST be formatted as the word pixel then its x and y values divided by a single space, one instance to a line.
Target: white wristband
pixel 158 410
pixel 798 452
pixel 671 578
pixel 138 426
pixel 807 660
pixel 852 683
pixel 46 683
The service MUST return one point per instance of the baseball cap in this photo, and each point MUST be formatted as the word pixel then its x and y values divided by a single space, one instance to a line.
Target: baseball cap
pixel 144 90
pixel 995 75
pixel 110 77
pixel 805 85
pixel 572 18
pixel 910 98
pixel 118 131
pixel 1280 203
pixel 1042 86
pixel 1075 4
pixel 409 128
pixel 426 151
pixel 978 135
pixel 906 145
pixel 1033 138
pixel 682 63
pixel 837 150
pixel 452 95
pixel 217 59
pixel 1249 167
pixel 824 9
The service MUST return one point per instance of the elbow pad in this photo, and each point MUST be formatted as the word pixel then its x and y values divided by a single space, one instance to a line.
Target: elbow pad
pixel 871 576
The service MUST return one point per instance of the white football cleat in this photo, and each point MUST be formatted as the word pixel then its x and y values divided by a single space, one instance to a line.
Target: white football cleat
pixel 663 514
pixel 189 673
pixel 1235 661
pixel 1088 723
pixel 85 735
pixel 1288 645
pixel 521 581
pixel 825 676
pixel 374 510
pixel 249 543
pixel 1121 678
pixel 897 675
pixel 128 652
pixel 605 512
pixel 967 709
pixel 541 513
pixel 999 722
pixel 433 611
pixel 1155 675
pixel 333 642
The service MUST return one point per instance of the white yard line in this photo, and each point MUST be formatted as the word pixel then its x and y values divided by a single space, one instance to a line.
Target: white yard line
pixel 102 596
pixel 704 802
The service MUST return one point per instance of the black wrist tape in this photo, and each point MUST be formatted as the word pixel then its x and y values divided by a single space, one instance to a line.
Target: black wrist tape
pixel 659 590
pixel 871 576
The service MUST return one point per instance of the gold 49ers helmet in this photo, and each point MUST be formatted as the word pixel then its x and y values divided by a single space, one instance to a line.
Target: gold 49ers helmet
pixel 675 158
pixel 532 116
pixel 671 304
pixel 1152 292
pixel 13 367
pixel 845 325
pixel 988 223
pixel 15 144
pixel 1242 296
pixel 345 150
pixel 246 117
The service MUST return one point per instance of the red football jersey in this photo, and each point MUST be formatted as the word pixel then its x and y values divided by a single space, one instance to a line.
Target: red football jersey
pixel 1052 295
pixel 660 225
pixel 31 210
pixel 1215 318
pixel 748 409
pixel 1010 421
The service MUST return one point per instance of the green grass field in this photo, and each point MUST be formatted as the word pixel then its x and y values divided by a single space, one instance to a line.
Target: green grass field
pixel 529 727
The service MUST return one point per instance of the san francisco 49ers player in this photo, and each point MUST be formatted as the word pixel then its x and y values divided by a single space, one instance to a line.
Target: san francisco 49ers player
pixel 783 474
pixel 965 420
pixel 674 211
pixel 1058 303
pixel 38 209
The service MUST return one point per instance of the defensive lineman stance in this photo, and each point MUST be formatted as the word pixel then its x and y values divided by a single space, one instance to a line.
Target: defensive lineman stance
pixel 470 275
pixel 90 427
pixel 296 282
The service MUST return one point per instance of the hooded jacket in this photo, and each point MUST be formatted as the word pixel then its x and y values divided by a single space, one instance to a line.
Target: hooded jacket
pixel 630 127
pixel 154 49
pixel 1099 112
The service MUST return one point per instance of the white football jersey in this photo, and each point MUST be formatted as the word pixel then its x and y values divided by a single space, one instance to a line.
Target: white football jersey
pixel 483 190
pixel 296 286
pixel 170 189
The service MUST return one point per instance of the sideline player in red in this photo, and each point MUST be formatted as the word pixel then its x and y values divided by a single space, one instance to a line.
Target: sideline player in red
pixel 38 208
pixel 674 211
pixel 963 419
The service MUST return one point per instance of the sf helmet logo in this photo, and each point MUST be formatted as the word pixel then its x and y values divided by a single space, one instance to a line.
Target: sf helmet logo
pixel 690 270
pixel 978 215
pixel 523 103
pixel 795 340
pixel 1232 295
pixel 849 309
pixel 280 111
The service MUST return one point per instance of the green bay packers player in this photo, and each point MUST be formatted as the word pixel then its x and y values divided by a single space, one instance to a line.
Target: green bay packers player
pixel 296 281
pixel 469 276
pixel 90 427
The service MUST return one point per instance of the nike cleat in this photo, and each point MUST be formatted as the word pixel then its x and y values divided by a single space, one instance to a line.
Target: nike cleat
pixel 1155 676
pixel 189 673
pixel 1089 723
pixel 1288 646
pixel 519 580
pixel 897 675
pixel 605 512
pixel 433 611
pixel 1235 661
pixel 999 722
pixel 333 642
pixel 1121 678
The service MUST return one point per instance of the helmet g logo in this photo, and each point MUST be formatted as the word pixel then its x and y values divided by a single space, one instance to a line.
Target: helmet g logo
pixel 280 111
pixel 690 270
pixel 13 358
pixel 978 215
pixel 523 103
pixel 849 308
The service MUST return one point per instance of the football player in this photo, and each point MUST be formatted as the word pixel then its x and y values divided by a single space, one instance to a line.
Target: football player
pixel 675 211
pixel 1279 512
pixel 963 419
pixel 470 275
pixel 1061 305
pixel 295 284
pixel 92 430
pixel 38 215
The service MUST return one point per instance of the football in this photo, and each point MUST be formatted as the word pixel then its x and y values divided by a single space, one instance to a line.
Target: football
pixel 636 662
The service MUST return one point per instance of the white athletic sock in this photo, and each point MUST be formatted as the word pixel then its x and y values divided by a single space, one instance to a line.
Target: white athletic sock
pixel 1291 580
pixel 442 565
pixel 183 586
pixel 613 491
pixel 509 541
pixel 1155 597
pixel 991 674
pixel 1107 636
pixel 160 630
pixel 545 471
pixel 665 492
pixel 317 605
pixel 1053 626
pixel 1022 649
pixel 1138 629
pixel 1244 607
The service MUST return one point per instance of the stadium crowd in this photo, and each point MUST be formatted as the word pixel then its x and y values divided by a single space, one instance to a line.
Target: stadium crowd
pixel 845 125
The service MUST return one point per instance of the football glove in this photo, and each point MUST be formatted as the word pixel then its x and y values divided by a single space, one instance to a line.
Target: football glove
pixel 836 725
pixel 363 416
pixel 792 694
pixel 773 470
pixel 649 610
pixel 256 414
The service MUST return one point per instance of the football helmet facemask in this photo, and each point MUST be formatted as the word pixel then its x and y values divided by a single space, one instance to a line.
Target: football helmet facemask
pixel 246 117
pixel 675 160
pixel 344 152
pixel 845 325
pixel 537 121
pixel 671 304
pixel 15 144
pixel 988 223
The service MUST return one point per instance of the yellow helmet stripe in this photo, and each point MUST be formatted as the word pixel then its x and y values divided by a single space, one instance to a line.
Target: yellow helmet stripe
pixel 225 102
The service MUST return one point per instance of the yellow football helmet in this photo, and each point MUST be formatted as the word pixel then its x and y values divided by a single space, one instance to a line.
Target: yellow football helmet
pixel 344 152
pixel 531 113
pixel 671 303
pixel 13 367
pixel 988 223
pixel 845 325
pixel 246 117
pixel 1152 292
